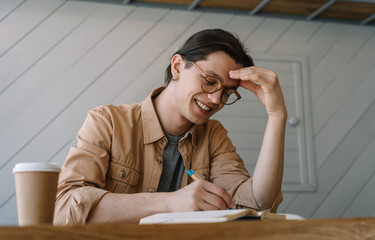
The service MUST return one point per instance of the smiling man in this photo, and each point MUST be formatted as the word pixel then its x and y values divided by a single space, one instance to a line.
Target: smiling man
pixel 131 160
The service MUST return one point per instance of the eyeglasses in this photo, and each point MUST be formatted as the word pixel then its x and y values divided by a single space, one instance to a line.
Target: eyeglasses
pixel 211 84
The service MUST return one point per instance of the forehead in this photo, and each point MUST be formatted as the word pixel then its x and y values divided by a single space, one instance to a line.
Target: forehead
pixel 218 64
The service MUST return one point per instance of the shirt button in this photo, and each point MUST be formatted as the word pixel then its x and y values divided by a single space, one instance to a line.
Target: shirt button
pixel 160 160
pixel 122 174
pixel 205 177
pixel 151 190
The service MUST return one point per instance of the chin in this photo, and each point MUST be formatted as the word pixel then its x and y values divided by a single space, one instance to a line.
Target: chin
pixel 200 121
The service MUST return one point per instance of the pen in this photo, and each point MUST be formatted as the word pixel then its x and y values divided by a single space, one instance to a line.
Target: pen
pixel 194 175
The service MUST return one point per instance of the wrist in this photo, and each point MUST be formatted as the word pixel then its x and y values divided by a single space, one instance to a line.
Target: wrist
pixel 168 202
pixel 279 115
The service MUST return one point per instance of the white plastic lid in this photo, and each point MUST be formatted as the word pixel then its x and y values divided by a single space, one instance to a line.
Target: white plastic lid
pixel 36 167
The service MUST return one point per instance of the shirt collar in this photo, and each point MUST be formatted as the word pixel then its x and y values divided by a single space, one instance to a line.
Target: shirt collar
pixel 192 132
pixel 152 130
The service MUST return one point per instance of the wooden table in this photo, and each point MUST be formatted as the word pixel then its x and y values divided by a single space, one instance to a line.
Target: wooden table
pixel 353 228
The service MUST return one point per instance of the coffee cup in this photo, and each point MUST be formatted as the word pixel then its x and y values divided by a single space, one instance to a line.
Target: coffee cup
pixel 36 186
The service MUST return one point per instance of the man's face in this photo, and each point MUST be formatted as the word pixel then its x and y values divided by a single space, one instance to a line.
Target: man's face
pixel 192 102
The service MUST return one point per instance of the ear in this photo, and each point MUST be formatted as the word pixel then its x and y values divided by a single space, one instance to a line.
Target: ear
pixel 176 66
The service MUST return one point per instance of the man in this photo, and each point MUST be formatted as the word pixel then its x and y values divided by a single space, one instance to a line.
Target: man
pixel 131 160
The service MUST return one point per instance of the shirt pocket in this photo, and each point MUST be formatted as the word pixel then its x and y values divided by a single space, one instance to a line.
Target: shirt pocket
pixel 121 178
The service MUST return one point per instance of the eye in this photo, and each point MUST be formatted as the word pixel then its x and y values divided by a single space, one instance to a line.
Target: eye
pixel 210 81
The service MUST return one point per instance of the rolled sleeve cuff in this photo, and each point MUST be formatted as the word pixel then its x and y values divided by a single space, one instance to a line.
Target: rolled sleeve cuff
pixel 244 198
pixel 75 206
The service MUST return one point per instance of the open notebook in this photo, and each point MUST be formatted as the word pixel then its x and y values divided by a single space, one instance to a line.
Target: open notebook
pixel 209 216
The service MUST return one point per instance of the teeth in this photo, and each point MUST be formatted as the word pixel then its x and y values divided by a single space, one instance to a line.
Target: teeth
pixel 201 105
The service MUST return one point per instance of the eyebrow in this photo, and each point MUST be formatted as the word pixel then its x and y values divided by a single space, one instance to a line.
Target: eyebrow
pixel 214 74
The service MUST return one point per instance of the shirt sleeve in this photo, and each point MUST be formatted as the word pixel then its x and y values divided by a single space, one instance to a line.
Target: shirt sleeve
pixel 228 170
pixel 83 175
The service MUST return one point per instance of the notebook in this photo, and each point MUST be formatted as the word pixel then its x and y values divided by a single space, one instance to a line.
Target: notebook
pixel 209 216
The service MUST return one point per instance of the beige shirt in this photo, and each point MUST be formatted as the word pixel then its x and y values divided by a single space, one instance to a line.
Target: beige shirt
pixel 120 149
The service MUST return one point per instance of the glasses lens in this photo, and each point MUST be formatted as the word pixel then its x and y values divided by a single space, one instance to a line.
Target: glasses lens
pixel 210 85
pixel 229 97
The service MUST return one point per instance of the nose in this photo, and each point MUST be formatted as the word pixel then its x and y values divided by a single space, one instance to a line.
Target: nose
pixel 215 97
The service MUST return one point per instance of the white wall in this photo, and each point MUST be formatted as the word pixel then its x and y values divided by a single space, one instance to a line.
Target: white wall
pixel 58 59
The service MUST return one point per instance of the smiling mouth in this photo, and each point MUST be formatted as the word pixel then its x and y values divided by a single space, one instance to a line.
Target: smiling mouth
pixel 202 106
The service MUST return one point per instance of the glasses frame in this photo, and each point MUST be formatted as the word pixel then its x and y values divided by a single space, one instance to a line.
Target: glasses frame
pixel 206 76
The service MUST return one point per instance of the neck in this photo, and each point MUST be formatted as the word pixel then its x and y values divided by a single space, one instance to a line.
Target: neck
pixel 171 121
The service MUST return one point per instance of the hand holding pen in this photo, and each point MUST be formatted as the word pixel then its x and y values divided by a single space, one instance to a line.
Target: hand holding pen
pixel 199 195
pixel 196 177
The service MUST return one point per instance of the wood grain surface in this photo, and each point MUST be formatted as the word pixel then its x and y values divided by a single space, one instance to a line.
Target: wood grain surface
pixel 350 228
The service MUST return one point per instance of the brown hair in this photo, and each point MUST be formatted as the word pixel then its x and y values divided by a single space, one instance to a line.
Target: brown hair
pixel 205 42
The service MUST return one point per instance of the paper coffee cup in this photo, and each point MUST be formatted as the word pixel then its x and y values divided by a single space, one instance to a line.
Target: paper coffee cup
pixel 36 186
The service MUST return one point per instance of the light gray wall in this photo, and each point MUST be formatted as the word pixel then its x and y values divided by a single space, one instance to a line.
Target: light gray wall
pixel 59 59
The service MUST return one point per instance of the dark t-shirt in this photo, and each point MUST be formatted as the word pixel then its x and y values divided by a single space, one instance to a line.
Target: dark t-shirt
pixel 173 166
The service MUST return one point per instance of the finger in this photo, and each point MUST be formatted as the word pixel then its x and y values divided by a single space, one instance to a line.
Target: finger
pixel 236 74
pixel 220 193
pixel 208 206
pixel 214 202
pixel 259 75
pixel 251 73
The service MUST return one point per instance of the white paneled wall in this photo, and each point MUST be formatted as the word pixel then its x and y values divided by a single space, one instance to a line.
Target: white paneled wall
pixel 58 59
